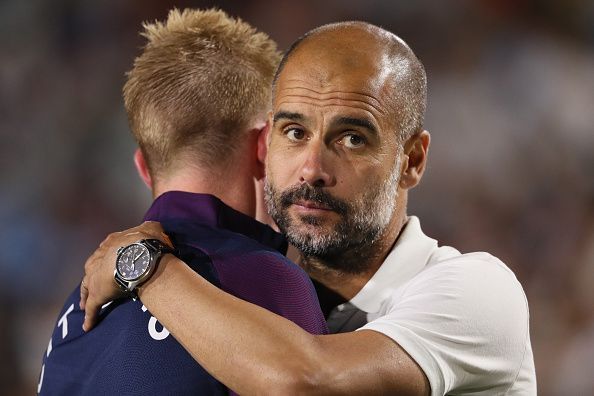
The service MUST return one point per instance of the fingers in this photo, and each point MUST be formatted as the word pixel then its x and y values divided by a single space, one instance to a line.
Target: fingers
pixel 91 312
pixel 146 230
pixel 89 269
pixel 149 230
pixel 165 238
pixel 152 227
pixel 84 294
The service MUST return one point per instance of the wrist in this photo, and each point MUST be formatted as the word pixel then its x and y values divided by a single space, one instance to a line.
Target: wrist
pixel 162 272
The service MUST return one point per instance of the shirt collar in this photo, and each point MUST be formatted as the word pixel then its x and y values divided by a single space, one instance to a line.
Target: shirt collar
pixel 408 257
pixel 176 206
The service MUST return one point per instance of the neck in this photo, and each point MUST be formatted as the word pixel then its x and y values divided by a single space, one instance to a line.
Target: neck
pixel 369 256
pixel 236 189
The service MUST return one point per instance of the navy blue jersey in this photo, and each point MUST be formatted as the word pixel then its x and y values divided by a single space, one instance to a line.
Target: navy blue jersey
pixel 129 352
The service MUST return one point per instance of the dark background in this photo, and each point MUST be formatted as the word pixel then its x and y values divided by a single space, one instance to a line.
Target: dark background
pixel 511 169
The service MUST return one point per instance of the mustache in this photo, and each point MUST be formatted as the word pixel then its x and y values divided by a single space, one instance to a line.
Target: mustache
pixel 307 192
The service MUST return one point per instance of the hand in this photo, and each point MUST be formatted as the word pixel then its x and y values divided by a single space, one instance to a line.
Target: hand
pixel 98 285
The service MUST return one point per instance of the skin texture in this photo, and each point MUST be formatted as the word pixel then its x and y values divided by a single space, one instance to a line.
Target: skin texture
pixel 333 127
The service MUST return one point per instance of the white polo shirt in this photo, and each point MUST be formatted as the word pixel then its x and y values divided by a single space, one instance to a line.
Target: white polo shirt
pixel 462 317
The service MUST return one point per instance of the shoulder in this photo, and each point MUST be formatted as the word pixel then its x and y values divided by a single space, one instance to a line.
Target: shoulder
pixel 472 293
pixel 203 246
pixel 233 251
pixel 254 272
pixel 464 319
pixel 215 240
pixel 272 281
pixel 469 275
pixel 263 276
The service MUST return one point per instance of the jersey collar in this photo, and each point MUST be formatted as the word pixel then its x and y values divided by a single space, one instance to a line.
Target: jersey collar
pixel 408 257
pixel 181 206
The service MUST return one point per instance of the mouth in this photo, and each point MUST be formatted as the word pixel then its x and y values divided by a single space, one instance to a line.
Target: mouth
pixel 311 206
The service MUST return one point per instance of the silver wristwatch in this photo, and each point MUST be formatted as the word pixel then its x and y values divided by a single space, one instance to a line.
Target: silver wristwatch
pixel 136 263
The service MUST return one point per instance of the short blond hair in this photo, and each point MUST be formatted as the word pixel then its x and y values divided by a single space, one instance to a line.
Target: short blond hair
pixel 201 78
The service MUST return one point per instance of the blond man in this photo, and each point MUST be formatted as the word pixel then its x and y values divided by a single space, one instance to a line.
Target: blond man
pixel 197 99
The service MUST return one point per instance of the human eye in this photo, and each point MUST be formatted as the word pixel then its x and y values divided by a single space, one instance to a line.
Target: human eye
pixel 353 141
pixel 294 134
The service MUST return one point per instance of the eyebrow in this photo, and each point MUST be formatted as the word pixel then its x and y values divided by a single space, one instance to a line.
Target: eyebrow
pixel 360 122
pixel 286 115
pixel 340 121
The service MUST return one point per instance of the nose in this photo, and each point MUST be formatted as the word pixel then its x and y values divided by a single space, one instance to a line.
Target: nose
pixel 315 170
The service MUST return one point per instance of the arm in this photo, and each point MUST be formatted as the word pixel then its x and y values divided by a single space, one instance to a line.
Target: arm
pixel 248 348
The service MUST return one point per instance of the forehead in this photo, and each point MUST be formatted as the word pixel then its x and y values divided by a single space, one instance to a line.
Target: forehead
pixel 344 77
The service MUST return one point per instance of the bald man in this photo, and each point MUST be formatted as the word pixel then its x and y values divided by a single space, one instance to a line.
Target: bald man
pixel 346 144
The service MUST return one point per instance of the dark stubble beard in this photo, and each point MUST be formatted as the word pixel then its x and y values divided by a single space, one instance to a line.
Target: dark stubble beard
pixel 351 245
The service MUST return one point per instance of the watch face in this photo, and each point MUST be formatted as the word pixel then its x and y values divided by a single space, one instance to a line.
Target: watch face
pixel 133 261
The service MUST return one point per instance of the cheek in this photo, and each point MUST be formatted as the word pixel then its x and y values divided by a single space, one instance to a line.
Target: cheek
pixel 350 189
pixel 274 174
pixel 281 167
pixel 359 184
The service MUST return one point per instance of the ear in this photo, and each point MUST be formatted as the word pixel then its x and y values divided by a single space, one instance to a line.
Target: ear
pixel 415 151
pixel 142 168
pixel 268 132
pixel 262 149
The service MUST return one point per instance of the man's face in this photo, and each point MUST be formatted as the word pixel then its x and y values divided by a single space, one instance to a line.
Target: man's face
pixel 334 160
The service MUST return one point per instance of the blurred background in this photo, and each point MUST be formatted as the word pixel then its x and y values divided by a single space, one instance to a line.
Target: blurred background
pixel 511 169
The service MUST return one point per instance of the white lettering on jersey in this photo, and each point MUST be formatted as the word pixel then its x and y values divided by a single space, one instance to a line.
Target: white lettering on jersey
pixel 152 328
pixel 39 385
pixel 64 321
pixel 47 353
pixel 49 348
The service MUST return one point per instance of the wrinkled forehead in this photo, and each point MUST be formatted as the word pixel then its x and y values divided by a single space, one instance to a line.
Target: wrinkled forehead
pixel 345 61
